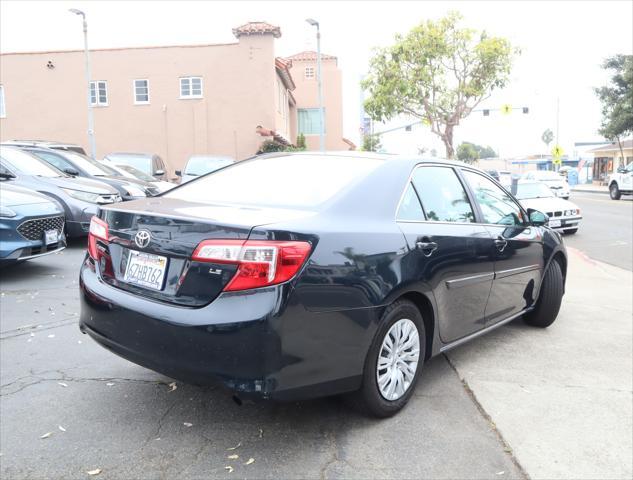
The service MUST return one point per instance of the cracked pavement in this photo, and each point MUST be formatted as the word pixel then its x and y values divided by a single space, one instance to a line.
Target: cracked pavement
pixel 482 411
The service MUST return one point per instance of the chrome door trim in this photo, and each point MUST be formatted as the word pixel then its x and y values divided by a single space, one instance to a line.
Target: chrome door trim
pixel 516 271
pixel 465 281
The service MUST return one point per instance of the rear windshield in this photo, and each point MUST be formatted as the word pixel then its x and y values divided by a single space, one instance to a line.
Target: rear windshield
pixel 202 165
pixel 142 163
pixel 300 181
pixel 132 172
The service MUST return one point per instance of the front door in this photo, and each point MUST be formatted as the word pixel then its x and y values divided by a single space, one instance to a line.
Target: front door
pixel 447 250
pixel 517 250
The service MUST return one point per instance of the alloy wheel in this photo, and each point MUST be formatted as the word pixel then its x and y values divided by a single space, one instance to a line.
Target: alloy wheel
pixel 398 359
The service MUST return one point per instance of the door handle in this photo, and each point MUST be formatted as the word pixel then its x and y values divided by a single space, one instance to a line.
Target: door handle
pixel 427 248
pixel 501 243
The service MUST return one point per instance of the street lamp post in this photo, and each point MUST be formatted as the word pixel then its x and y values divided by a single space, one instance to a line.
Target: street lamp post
pixel 91 130
pixel 314 23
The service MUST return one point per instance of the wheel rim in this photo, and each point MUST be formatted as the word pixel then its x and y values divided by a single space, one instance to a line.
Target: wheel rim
pixel 398 359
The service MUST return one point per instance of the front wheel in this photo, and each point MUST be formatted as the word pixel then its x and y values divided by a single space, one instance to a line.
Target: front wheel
pixel 614 191
pixel 550 299
pixel 393 362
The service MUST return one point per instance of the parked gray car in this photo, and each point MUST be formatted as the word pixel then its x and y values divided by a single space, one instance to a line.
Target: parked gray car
pixel 145 162
pixel 80 197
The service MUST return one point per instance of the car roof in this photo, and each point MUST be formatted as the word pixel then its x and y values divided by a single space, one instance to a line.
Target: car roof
pixel 39 143
pixel 129 154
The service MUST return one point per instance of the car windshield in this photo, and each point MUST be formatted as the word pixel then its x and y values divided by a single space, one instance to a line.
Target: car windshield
pixel 548 176
pixel 137 161
pixel 28 164
pixel 202 165
pixel 533 190
pixel 273 181
pixel 89 165
pixel 132 172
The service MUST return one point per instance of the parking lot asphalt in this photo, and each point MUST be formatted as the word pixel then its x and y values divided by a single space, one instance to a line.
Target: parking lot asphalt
pixel 552 403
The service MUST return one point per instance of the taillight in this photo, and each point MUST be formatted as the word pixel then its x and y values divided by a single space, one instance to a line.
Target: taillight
pixel 98 231
pixel 260 262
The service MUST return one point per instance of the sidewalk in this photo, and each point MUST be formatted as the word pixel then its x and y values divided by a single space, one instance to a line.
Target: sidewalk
pixel 590 188
pixel 561 396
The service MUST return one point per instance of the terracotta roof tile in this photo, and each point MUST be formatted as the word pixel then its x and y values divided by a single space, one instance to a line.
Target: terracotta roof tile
pixel 310 55
pixel 257 28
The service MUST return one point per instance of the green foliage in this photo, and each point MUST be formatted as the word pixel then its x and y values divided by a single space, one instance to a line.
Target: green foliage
pixel 470 152
pixel 617 98
pixel 438 73
pixel 371 143
pixel 301 141
pixel 547 137
pixel 269 146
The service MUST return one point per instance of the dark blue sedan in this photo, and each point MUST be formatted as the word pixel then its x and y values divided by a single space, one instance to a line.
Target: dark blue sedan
pixel 31 224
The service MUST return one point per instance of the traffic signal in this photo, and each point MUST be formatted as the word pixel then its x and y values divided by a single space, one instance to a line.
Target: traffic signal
pixel 486 112
pixel 526 110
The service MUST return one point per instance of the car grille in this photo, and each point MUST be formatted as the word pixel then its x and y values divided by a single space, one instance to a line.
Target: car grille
pixel 34 229
pixel 555 214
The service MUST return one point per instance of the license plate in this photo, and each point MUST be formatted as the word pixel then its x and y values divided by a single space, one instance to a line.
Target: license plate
pixel 554 223
pixel 51 236
pixel 145 269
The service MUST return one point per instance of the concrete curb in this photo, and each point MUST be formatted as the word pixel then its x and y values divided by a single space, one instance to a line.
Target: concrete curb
pixel 589 190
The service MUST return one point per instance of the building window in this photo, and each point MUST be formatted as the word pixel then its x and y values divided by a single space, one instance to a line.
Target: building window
pixel 309 121
pixel 191 87
pixel 309 73
pixel 99 93
pixel 3 111
pixel 141 91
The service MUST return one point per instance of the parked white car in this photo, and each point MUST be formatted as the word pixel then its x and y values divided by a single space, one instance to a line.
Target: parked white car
pixel 556 182
pixel 198 165
pixel 129 171
pixel 621 182
pixel 563 215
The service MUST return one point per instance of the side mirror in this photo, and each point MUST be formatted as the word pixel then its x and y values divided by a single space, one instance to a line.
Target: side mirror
pixel 538 219
pixel 178 173
pixel 71 171
pixel 158 173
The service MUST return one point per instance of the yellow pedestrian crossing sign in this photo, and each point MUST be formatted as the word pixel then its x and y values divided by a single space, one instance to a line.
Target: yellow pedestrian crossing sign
pixel 557 153
pixel 506 109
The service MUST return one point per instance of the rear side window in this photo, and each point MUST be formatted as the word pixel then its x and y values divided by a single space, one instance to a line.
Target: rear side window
pixel 442 194
pixel 410 209
pixel 300 181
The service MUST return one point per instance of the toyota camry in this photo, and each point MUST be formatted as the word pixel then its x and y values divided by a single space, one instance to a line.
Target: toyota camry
pixel 292 276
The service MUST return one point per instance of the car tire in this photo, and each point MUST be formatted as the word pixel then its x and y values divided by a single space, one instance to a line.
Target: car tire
pixel 550 299
pixel 369 398
pixel 571 231
pixel 614 191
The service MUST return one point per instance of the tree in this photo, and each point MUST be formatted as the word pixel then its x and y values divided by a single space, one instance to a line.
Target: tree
pixel 466 152
pixel 547 137
pixel 371 142
pixel 301 141
pixel 437 73
pixel 617 99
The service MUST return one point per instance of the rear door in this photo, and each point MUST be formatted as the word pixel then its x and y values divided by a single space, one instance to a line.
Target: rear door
pixel 518 248
pixel 448 250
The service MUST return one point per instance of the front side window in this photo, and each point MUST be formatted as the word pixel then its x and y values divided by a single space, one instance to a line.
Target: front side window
pixel 191 87
pixel 442 194
pixel 309 121
pixel 3 110
pixel 99 93
pixel 410 209
pixel 497 207
pixel 141 91
pixel 309 73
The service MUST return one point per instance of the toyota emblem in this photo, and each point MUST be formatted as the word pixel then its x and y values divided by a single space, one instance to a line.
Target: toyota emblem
pixel 142 238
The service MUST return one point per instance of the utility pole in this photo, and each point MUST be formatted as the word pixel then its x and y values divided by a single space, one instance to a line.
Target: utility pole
pixel 314 23
pixel 91 130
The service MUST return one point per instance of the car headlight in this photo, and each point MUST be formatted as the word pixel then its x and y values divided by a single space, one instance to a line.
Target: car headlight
pixel 134 191
pixel 6 212
pixel 82 195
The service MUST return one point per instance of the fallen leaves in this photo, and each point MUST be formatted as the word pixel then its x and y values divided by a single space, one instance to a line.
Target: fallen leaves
pixel 62 384
pixel 239 444
pixel 110 384
pixel 94 472
pixel 229 468
pixel 187 424
pixel 172 386
pixel 233 457
pixel 46 435
pixel 249 461
pixel 61 428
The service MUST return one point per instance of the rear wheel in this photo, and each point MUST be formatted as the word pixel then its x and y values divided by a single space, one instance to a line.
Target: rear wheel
pixel 614 191
pixel 549 301
pixel 393 362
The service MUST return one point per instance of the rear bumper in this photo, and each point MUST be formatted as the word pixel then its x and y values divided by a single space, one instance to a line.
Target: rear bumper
pixel 256 343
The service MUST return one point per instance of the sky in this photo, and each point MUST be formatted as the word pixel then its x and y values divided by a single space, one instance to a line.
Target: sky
pixel 562 47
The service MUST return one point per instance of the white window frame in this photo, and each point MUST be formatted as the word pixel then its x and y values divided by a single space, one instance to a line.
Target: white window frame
pixel 312 75
pixel 136 101
pixel 98 102
pixel 3 103
pixel 191 95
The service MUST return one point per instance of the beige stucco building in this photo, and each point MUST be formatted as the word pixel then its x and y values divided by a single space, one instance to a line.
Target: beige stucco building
pixel 175 101
pixel 608 158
